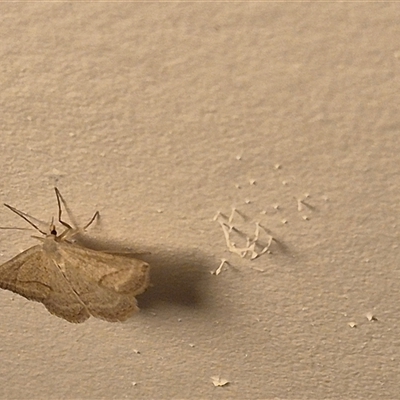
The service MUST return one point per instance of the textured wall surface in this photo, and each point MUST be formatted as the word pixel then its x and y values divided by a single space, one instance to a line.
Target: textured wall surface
pixel 160 115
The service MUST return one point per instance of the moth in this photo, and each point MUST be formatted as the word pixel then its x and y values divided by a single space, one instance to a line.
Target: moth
pixel 74 282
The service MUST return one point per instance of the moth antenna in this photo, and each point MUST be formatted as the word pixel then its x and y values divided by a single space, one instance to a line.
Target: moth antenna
pixel 15 228
pixel 22 215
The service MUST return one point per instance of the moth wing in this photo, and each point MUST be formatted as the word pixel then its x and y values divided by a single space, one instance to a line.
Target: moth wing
pixel 25 275
pixel 64 303
pixel 106 283
pixel 33 275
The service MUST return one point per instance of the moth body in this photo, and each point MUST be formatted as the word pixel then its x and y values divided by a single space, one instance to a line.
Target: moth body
pixel 75 282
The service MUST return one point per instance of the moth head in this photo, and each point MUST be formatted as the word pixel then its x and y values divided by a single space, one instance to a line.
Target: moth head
pixel 52 229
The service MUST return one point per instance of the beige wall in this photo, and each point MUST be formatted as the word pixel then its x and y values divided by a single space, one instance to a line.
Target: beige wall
pixel 158 116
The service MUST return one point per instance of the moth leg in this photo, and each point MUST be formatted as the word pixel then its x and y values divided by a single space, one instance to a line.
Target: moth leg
pixel 59 200
pixel 95 216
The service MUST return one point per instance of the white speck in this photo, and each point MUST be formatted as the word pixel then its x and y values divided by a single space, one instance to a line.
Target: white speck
pixel 216 216
pixel 371 317
pixel 219 269
pixel 299 205
pixel 218 381
pixel 56 172
pixel 219 214
pixel 352 325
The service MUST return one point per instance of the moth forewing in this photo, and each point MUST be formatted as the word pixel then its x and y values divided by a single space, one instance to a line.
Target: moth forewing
pixel 115 272
pixel 133 279
pixel 74 282
pixel 24 277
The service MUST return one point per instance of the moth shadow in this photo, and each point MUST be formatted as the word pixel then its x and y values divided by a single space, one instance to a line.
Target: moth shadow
pixel 177 278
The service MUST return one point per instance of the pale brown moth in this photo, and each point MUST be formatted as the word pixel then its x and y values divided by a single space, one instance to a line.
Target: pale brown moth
pixel 74 282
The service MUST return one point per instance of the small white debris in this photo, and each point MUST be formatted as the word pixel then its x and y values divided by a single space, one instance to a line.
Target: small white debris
pixel 352 325
pixel 250 250
pixel 299 205
pixel 305 218
pixel 258 269
pixel 230 219
pixel 239 157
pixel 371 317
pixel 218 381
pixel 219 269
pixel 57 172
pixel 217 215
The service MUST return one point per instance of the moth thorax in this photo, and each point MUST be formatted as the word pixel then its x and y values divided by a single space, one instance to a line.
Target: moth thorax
pixel 49 244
